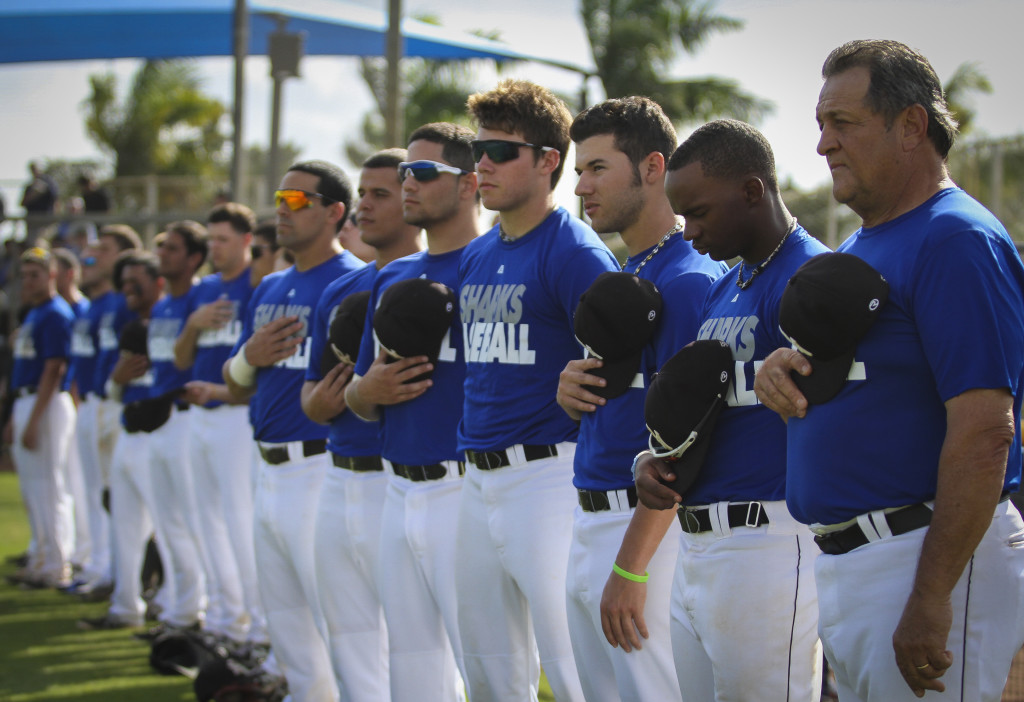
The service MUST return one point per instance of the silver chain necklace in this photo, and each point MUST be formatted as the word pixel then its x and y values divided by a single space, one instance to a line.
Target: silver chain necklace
pixel 744 284
pixel 675 228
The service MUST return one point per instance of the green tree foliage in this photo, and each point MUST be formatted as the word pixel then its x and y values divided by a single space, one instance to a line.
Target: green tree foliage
pixel 165 125
pixel 635 44
pixel 966 81
pixel 434 90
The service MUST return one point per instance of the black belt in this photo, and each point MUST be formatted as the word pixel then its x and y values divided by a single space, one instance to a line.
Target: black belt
pixel 419 474
pixel 597 501
pixel 489 460
pixel 748 514
pixel 359 464
pixel 276 455
pixel 181 406
pixel 25 391
pixel 900 522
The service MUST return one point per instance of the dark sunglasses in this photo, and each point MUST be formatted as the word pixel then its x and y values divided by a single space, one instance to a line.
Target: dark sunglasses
pixel 298 199
pixel 500 150
pixel 426 171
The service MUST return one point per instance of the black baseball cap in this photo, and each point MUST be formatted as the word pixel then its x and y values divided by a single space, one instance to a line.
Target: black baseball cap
pixel 346 332
pixel 615 319
pixel 827 307
pixel 412 319
pixel 133 337
pixel 682 406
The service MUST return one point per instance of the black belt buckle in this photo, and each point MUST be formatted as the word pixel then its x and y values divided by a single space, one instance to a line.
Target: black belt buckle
pixel 420 474
pixel 274 455
pixel 901 521
pixel 742 514
pixel 597 501
pixel 358 464
pixel 314 447
pixel 488 460
pixel 690 520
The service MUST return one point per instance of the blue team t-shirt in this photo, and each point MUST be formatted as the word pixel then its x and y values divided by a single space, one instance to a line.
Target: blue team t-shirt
pixel 44 335
pixel 82 363
pixel 348 435
pixel 954 321
pixel 516 301
pixel 276 409
pixel 165 323
pixel 111 314
pixel 611 436
pixel 213 346
pixel 421 430
pixel 747 457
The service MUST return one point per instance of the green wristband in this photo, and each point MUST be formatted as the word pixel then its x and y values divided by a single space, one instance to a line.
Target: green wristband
pixel 629 576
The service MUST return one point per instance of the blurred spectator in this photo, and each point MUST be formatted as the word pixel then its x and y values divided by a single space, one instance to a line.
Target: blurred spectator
pixel 39 198
pixel 95 198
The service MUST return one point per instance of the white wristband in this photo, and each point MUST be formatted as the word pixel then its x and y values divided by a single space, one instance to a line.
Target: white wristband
pixel 637 460
pixel 241 371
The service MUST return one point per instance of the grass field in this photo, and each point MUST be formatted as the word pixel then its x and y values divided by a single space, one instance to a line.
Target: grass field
pixel 45 658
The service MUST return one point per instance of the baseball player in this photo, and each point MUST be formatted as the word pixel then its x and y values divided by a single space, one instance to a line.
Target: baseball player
pixel 42 421
pixel 733 518
pixel 269 363
pixel 130 382
pixel 622 147
pixel 519 286
pixel 901 473
pixel 69 272
pixel 219 432
pixel 98 421
pixel 419 417
pixel 349 512
pixel 181 249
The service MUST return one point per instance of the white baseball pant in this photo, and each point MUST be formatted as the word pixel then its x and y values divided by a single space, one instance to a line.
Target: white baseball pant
pixel 606 673
pixel 43 488
pixel 81 552
pixel 862 593
pixel 131 490
pixel 221 458
pixel 744 611
pixel 348 521
pixel 285 511
pixel 99 568
pixel 418 583
pixel 174 514
pixel 515 527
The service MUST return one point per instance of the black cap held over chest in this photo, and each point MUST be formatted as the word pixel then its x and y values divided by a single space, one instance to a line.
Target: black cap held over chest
pixel 346 332
pixel 412 319
pixel 828 306
pixel 615 319
pixel 134 336
pixel 682 406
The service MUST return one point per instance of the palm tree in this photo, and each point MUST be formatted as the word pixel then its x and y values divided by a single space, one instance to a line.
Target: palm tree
pixel 635 42
pixel 164 126
pixel 435 90
pixel 966 80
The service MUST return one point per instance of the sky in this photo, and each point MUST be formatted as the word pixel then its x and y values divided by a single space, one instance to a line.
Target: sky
pixel 776 56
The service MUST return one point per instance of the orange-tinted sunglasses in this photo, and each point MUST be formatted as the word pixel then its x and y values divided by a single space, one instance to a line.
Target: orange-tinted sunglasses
pixel 298 199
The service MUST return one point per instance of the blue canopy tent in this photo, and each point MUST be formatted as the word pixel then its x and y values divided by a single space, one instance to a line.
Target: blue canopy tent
pixel 70 30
